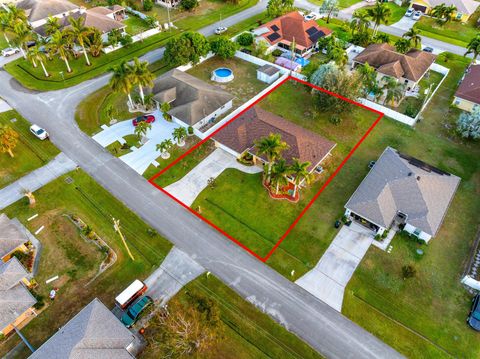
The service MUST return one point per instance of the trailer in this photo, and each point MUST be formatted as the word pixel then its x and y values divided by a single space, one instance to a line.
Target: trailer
pixel 132 292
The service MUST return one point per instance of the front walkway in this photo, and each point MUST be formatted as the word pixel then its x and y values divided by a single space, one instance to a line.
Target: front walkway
pixel 176 270
pixel 195 181
pixel 327 281
pixel 36 179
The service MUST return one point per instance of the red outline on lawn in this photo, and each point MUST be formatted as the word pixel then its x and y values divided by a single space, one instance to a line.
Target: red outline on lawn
pixel 264 259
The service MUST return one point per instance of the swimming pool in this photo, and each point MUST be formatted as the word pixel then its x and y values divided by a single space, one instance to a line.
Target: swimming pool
pixel 222 74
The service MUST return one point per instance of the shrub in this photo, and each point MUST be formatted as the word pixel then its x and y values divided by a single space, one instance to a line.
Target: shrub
pixel 147 5
pixel 151 232
pixel 126 40
pixel 277 52
pixel 223 47
pixel 245 39
pixel 411 111
pixel 188 4
pixel 385 234
pixel 335 119
pixel 190 130
pixel 408 271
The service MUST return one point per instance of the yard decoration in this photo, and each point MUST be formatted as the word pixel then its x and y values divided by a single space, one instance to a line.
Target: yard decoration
pixel 179 135
pixel 163 147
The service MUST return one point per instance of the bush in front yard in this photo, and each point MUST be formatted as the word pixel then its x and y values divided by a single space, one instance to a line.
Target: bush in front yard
pixel 245 39
pixel 188 4
pixel 277 52
pixel 147 5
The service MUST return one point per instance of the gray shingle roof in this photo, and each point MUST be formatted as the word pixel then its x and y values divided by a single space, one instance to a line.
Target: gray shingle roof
pixel 41 9
pixel 268 69
pixel 93 333
pixel 10 236
pixel 14 297
pixel 191 98
pixel 399 183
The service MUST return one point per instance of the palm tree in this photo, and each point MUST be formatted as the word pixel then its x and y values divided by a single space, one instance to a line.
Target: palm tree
pixel 272 147
pixel 52 25
pixel 60 43
pixel 438 12
pixel 368 76
pixel 6 25
pixel 121 80
pixel 163 147
pixel 402 45
pixel 414 36
pixel 35 55
pixel 142 129
pixel 338 55
pixel 23 34
pixel 379 14
pixel 179 134
pixel 165 107
pixel 473 47
pixel 280 171
pixel 382 38
pixel 141 76
pixel 360 22
pixel 80 33
pixel 95 42
pixel 300 171
pixel 8 139
pixel 395 90
pixel 11 17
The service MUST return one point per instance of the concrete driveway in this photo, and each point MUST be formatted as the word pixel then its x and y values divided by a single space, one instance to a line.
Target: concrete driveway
pixel 405 23
pixel 195 181
pixel 113 133
pixel 328 279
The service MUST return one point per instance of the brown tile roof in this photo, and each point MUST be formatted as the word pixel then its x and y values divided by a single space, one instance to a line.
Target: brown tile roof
pixel 469 89
pixel 387 61
pixel 293 26
pixel 255 123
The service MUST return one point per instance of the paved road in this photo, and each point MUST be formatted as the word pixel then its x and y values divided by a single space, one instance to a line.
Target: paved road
pixel 322 327
pixel 36 179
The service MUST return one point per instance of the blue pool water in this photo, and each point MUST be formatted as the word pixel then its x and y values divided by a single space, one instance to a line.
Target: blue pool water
pixel 223 72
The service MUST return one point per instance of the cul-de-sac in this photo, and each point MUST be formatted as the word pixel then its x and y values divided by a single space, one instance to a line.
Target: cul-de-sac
pixel 239 179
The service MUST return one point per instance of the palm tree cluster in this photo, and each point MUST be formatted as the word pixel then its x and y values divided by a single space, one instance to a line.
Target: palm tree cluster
pixel 443 13
pixel 473 48
pixel 276 170
pixel 127 76
pixel 334 49
pixel 362 21
pixel 391 89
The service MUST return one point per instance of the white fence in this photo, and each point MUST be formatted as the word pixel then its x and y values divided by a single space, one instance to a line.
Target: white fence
pixel 139 37
pixel 136 13
pixel 389 112
pixel 190 65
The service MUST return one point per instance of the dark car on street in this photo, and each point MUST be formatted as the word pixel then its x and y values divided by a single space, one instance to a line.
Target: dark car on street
pixel 474 317
pixel 144 118
pixel 130 317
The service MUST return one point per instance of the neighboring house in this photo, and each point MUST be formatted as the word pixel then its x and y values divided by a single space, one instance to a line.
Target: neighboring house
pixel 240 135
pixel 16 301
pixel 167 3
pixel 283 31
pixel 38 11
pixel 11 239
pixel 268 73
pixel 94 332
pixel 407 68
pixel 401 190
pixel 193 102
pixel 467 96
pixel 465 8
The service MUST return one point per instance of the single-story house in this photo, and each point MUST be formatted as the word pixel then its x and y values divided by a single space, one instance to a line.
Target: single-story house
pixel 239 137
pixel 38 11
pixel 401 190
pixel 283 31
pixel 193 102
pixel 16 304
pixel 407 68
pixel 11 239
pixel 465 8
pixel 94 332
pixel 467 96
pixel 268 73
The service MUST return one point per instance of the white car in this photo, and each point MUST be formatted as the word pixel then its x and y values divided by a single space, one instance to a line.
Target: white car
pixel 417 15
pixel 409 12
pixel 310 17
pixel 39 132
pixel 220 30
pixel 10 51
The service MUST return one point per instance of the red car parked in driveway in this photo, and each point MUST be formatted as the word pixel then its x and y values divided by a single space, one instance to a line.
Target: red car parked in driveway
pixel 146 118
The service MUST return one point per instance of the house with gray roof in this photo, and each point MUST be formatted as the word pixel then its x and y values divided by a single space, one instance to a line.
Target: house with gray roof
pixel 11 238
pixel 402 190
pixel 193 102
pixel 16 301
pixel 94 333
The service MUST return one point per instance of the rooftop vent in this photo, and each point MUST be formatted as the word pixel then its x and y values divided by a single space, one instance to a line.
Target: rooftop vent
pixel 418 178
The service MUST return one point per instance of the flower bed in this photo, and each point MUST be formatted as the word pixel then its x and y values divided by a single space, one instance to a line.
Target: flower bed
pixel 283 193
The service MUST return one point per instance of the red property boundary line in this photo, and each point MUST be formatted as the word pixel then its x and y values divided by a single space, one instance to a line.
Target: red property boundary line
pixel 310 203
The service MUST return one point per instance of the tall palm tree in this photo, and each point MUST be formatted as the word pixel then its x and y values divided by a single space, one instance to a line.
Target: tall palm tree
pixel 448 13
pixel 360 22
pixel 300 171
pixel 395 90
pixel 379 14
pixel 22 34
pixel 35 55
pixel 95 42
pixel 403 45
pixel 6 25
pixel 414 36
pixel 272 147
pixel 338 55
pixel 473 47
pixel 280 171
pixel 61 44
pixel 163 147
pixel 141 76
pixel 80 33
pixel 179 134
pixel 142 129
pixel 52 25
pixel 368 76
pixel 438 12
pixel 165 107
pixel 121 80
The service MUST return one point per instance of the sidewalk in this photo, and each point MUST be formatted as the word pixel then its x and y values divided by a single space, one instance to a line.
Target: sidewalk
pixel 36 179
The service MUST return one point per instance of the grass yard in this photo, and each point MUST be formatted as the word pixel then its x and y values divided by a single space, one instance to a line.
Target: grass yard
pixel 118 150
pixel 30 152
pixel 135 25
pixel 66 254
pixel 3 41
pixel 243 87
pixel 246 333
pixel 397 12
pixel 455 32
pixel 342 4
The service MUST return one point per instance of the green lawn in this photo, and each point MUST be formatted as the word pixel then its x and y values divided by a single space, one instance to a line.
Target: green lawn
pixel 30 152
pixel 246 333
pixel 397 12
pixel 135 25
pixel 3 41
pixel 455 32
pixel 118 150
pixel 342 4
pixel 75 261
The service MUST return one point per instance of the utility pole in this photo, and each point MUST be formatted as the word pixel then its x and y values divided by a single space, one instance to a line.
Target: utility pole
pixel 116 225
